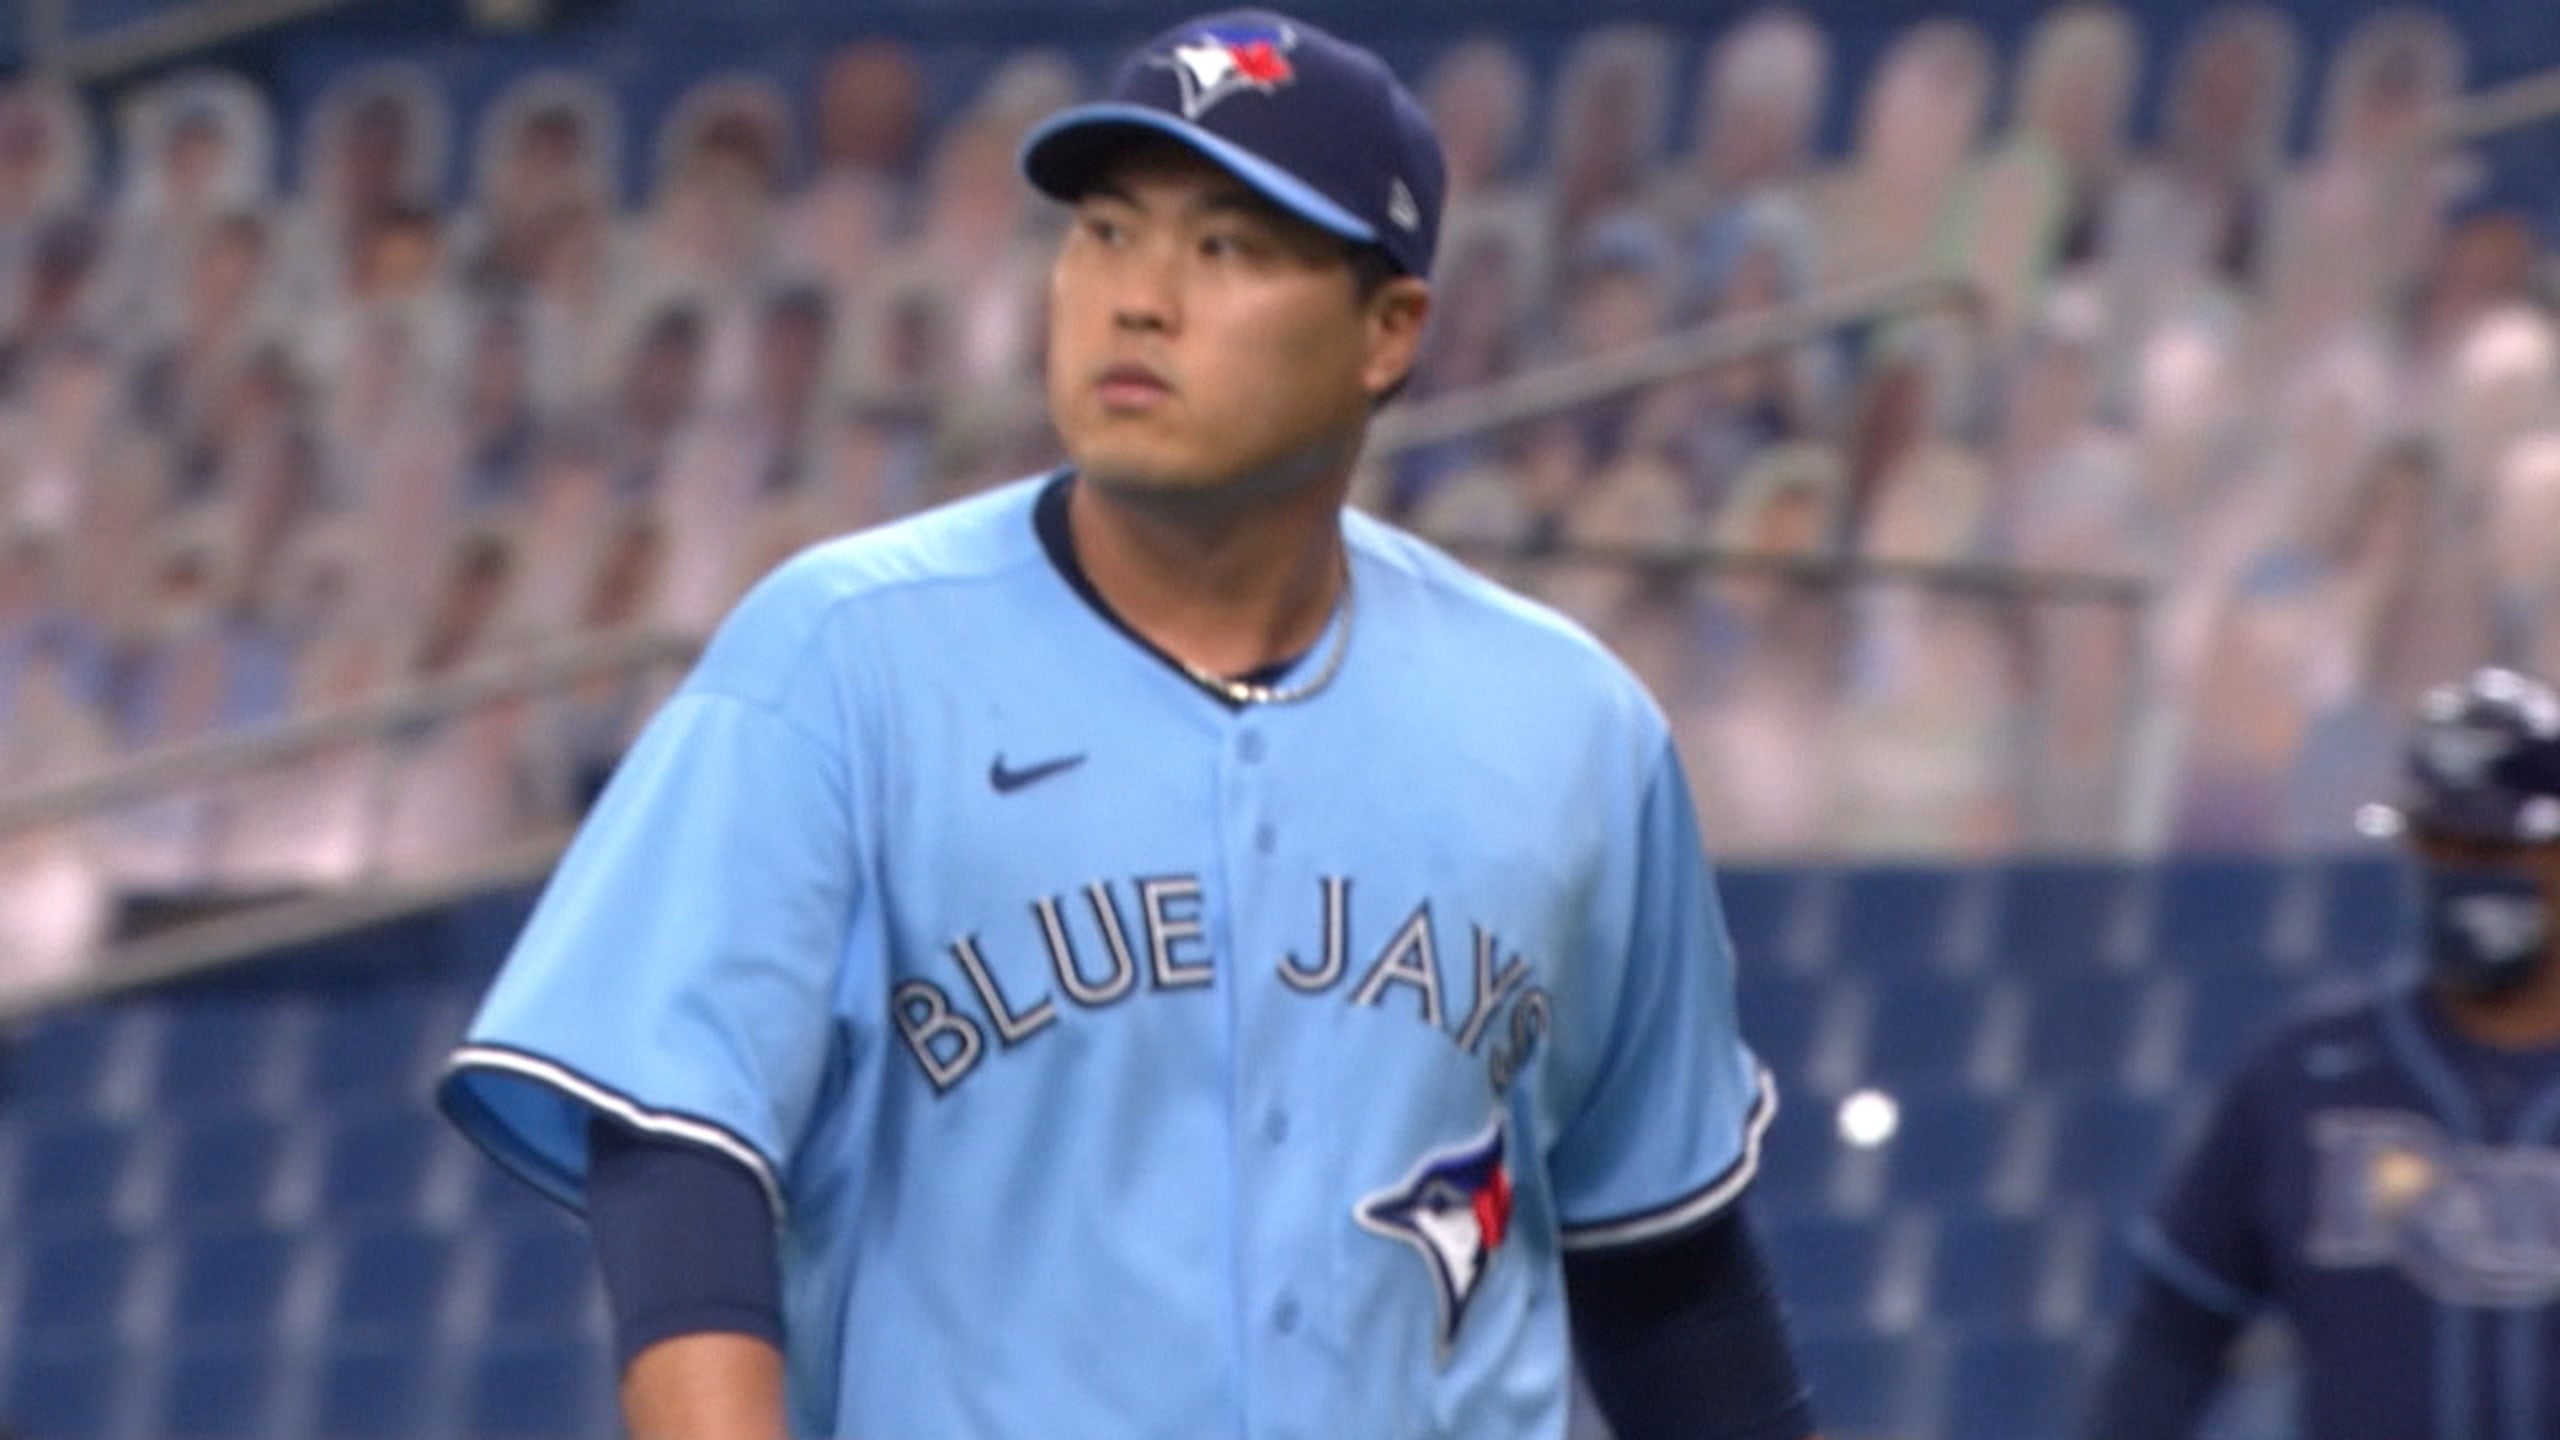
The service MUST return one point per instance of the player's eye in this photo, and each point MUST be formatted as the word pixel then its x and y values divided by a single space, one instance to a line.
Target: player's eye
pixel 1104 230
pixel 1228 245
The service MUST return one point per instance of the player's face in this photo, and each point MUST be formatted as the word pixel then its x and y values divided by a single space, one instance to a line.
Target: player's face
pixel 2464 872
pixel 1200 337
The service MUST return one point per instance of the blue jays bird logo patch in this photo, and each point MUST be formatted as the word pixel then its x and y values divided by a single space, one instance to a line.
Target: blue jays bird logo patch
pixel 1453 1209
pixel 1222 60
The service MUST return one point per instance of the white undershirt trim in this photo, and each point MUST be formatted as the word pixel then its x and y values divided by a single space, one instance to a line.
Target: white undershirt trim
pixel 1681 1214
pixel 625 1109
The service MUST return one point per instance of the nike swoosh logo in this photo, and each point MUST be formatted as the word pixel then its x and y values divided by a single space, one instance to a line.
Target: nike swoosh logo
pixel 1007 781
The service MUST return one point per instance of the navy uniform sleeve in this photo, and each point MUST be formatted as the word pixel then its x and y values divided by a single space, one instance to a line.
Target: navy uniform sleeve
pixel 2207 1240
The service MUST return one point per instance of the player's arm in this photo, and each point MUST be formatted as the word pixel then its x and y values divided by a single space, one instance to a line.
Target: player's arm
pixel 682 978
pixel 1684 1338
pixel 705 1387
pixel 2169 1361
pixel 1679 1329
pixel 685 1242
pixel 2207 1263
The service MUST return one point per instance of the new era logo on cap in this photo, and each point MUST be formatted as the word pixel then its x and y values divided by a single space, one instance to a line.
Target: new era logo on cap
pixel 1319 127
pixel 1400 206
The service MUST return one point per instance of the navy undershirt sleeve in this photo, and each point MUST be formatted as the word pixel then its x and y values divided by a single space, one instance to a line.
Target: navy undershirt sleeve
pixel 684 1239
pixel 2167 1365
pixel 1684 1338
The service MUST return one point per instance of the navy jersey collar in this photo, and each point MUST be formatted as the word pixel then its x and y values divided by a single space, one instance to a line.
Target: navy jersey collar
pixel 1049 520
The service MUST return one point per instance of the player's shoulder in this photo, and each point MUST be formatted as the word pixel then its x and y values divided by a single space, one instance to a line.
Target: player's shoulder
pixel 823 591
pixel 986 534
pixel 2330 1032
pixel 1497 633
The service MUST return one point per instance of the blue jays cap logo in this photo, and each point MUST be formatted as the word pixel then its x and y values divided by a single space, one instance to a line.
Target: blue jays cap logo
pixel 1454 1209
pixel 1222 60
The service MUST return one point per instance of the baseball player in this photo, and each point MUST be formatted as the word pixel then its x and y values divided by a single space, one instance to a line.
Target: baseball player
pixel 1145 951
pixel 2386 1174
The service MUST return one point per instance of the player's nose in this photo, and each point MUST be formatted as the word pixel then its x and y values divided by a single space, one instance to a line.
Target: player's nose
pixel 1145 295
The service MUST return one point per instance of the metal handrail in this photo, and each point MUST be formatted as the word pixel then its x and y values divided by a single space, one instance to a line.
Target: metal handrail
pixel 209 944
pixel 151 39
pixel 1974 578
pixel 1554 388
pixel 2520 102
pixel 499 677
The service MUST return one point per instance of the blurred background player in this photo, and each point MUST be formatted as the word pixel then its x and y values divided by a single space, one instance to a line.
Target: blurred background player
pixel 2384 1174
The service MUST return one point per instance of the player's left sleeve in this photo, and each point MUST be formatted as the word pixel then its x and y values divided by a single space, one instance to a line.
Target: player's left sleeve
pixel 1668 1131
pixel 681 973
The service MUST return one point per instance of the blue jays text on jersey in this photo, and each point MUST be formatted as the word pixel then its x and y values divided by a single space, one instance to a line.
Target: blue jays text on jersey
pixel 948 1040
pixel 2393 1191
pixel 1074 1020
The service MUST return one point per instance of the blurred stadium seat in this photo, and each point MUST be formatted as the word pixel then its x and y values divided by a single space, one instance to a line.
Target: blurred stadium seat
pixel 1827 1266
pixel 70 1173
pixel 2110 1147
pixel 533 1390
pixel 221 1172
pixel 1759 908
pixel 2216 910
pixel 2012 1387
pixel 225 1388
pixel 74 1288
pixel 2060 914
pixel 1925 1031
pixel 389 1289
pixel 1989 1272
pixel 375 1163
pixel 71 1393
pixel 379 1390
pixel 1871 1385
pixel 2082 1029
pixel 1896 918
pixel 1950 1148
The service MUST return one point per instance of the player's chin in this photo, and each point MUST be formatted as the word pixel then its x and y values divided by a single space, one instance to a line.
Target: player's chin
pixel 1116 464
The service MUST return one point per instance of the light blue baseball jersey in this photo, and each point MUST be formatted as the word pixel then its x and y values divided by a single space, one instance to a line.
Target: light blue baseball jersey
pixel 1121 1062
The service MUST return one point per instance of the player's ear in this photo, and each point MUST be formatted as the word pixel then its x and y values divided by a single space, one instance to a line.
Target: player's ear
pixel 1394 315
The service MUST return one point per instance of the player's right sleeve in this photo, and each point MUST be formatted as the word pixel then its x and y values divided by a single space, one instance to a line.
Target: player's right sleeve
pixel 2208 1240
pixel 680 972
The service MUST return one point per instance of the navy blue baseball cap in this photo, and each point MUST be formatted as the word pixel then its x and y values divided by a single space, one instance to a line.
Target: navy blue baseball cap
pixel 1318 126
pixel 2483 763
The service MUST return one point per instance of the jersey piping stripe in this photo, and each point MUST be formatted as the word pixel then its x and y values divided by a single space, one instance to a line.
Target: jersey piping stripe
pixel 1682 1213
pixel 625 1109
pixel 2186 1274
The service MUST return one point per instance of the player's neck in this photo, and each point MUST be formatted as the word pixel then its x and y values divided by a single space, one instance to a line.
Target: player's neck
pixel 1230 587
pixel 2528 1017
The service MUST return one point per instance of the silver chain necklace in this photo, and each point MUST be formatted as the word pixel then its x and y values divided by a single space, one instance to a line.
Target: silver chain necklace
pixel 1243 692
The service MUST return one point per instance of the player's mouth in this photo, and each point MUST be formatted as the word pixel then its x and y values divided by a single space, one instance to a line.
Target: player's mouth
pixel 1131 387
